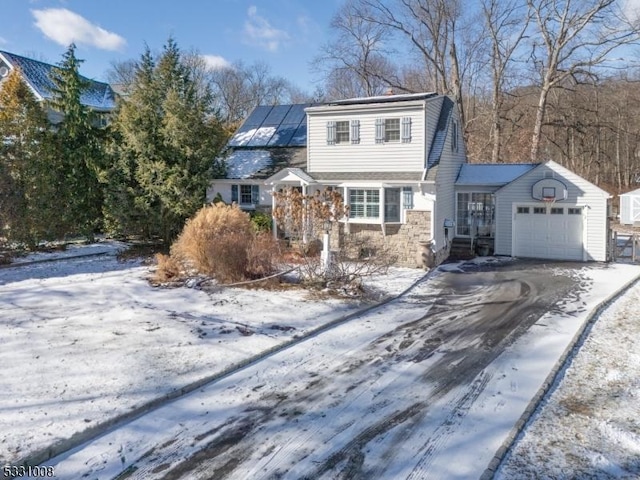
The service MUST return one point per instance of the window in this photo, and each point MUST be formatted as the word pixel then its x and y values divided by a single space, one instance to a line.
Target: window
pixel 392 130
pixel 574 211
pixel 523 209
pixel 407 198
pixel 454 136
pixel 364 203
pixel 245 194
pixel 557 211
pixel 391 204
pixel 342 132
pixel 540 210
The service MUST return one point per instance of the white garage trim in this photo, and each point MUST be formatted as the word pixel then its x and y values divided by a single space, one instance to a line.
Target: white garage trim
pixel 549 230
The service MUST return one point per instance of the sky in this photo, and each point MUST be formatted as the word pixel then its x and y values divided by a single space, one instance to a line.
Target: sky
pixel 285 34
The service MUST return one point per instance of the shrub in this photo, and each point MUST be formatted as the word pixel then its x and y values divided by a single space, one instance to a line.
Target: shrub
pixel 168 268
pixel 261 221
pixel 264 255
pixel 216 242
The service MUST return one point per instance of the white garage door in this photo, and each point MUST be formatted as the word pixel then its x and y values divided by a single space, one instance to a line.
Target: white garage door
pixel 548 231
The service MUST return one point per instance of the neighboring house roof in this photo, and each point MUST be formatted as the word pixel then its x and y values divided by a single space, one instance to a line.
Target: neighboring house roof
pixel 492 174
pixel 98 96
pixel 632 193
pixel 262 163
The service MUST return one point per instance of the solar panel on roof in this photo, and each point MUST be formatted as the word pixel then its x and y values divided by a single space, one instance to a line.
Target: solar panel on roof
pixel 299 138
pixel 283 135
pixel 277 115
pixel 257 116
pixel 296 114
pixel 262 136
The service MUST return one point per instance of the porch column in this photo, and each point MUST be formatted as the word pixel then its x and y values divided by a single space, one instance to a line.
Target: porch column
pixel 274 224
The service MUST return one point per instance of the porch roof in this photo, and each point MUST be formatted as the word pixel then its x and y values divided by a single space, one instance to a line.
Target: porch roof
pixel 491 174
pixel 367 176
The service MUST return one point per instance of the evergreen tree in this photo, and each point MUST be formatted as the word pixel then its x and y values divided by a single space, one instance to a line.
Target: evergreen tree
pixel 79 150
pixel 168 139
pixel 27 213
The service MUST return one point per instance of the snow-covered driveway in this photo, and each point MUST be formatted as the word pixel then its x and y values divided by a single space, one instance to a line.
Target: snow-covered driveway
pixel 428 386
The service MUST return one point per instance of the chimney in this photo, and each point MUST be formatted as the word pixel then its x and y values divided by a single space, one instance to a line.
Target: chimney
pixel 390 92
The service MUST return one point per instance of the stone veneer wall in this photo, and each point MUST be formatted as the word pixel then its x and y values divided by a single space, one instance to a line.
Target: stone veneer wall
pixel 402 240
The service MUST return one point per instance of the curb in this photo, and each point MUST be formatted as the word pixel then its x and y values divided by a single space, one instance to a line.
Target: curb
pixel 554 377
pixel 76 440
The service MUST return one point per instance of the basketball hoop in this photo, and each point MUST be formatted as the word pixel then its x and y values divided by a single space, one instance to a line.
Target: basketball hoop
pixel 549 199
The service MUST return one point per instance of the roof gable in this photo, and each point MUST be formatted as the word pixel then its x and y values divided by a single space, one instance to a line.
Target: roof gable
pixel 37 74
pixel 565 172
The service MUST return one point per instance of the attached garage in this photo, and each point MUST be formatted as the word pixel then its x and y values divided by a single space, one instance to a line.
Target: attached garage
pixel 548 231
pixel 550 212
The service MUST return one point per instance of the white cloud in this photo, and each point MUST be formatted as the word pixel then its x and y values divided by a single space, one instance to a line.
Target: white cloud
pixel 3 41
pixel 631 9
pixel 216 62
pixel 65 27
pixel 258 31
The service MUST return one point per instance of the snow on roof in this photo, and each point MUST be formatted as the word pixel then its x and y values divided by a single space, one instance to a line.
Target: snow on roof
pixel 492 174
pixel 97 95
pixel 246 163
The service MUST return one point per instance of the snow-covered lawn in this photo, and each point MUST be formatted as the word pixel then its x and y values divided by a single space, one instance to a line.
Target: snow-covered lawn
pixel 589 424
pixel 87 339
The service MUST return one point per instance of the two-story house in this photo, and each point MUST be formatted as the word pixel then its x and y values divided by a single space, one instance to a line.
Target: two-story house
pixel 98 96
pixel 400 163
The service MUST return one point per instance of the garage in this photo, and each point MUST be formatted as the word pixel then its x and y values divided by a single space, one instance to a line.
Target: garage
pixel 553 231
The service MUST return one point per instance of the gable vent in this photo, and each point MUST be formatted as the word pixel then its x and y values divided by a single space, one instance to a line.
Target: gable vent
pixel 4 71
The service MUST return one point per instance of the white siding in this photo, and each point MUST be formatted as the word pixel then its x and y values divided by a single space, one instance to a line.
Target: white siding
pixel 224 188
pixel 448 170
pixel 367 155
pixel 580 193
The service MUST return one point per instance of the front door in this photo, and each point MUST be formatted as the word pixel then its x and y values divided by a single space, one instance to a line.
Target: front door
pixel 474 214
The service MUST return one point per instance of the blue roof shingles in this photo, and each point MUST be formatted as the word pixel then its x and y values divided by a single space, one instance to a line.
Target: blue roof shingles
pixel 440 134
pixel 98 95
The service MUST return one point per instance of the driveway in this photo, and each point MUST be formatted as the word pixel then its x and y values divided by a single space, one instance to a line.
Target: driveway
pixel 396 393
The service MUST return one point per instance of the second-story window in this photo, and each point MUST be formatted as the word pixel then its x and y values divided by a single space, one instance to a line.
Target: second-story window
pixel 392 130
pixel 342 132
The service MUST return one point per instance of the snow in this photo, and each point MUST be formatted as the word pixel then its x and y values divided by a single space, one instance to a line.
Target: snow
pixel 246 163
pixel 589 424
pixel 88 339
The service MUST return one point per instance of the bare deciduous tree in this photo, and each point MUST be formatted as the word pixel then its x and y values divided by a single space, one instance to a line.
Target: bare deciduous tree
pixel 574 38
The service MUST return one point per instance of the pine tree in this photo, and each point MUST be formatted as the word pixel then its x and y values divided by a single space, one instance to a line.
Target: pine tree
pixel 169 139
pixel 79 150
pixel 27 212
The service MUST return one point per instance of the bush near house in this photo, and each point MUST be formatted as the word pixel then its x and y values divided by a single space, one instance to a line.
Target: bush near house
pixel 220 241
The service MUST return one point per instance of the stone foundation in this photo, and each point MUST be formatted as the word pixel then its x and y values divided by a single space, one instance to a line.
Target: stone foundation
pixel 408 241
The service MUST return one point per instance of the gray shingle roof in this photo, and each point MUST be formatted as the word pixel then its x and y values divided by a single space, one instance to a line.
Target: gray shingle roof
pixel 492 174
pixel 262 163
pixel 440 134
pixel 98 96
